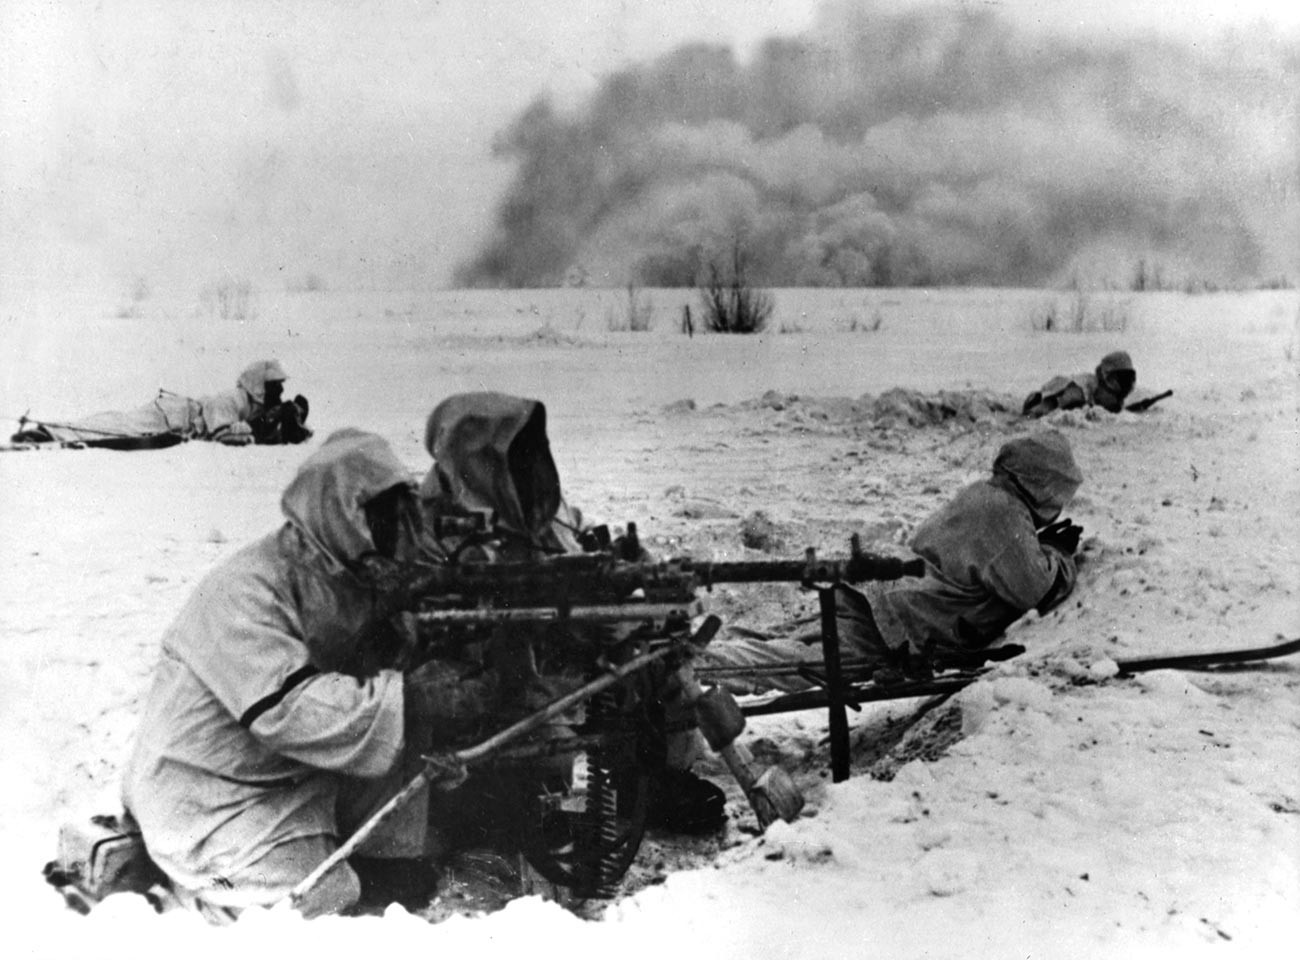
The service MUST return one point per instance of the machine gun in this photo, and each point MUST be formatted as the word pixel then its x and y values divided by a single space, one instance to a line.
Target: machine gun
pixel 620 631
pixel 611 584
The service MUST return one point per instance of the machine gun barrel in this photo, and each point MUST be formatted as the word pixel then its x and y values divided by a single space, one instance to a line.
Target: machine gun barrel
pixel 852 569
pixel 595 579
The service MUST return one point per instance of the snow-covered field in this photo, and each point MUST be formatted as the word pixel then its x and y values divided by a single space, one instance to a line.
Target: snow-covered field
pixel 1079 815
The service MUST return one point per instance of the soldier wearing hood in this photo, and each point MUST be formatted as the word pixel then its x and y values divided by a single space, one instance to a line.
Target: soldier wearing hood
pixel 492 459
pixel 277 717
pixel 253 412
pixel 1107 387
pixel 992 554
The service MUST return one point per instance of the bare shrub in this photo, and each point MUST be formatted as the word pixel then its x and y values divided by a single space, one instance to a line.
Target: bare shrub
pixel 1147 276
pixel 637 315
pixel 229 299
pixel 730 304
pixel 858 325
pixel 1082 313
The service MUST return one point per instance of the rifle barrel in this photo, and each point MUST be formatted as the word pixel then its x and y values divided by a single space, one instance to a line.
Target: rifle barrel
pixel 855 569
pixel 72 426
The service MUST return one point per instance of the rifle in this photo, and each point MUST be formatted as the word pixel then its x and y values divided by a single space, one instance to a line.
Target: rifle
pixel 1146 403
pixel 858 687
pixel 562 608
pixel 101 439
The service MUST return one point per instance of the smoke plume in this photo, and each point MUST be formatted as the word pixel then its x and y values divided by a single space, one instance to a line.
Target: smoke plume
pixel 923 147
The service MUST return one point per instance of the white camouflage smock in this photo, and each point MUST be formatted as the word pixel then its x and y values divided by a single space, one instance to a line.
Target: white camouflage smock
pixel 984 569
pixel 201 418
pixel 252 721
pixel 984 565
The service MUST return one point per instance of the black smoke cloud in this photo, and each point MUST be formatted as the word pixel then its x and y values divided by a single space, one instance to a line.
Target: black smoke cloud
pixel 943 146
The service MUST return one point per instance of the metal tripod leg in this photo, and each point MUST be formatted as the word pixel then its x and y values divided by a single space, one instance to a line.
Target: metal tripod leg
pixel 838 719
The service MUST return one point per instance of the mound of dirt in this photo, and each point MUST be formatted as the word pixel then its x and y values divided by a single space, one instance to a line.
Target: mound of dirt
pixel 912 408
pixel 898 407
pixel 928 738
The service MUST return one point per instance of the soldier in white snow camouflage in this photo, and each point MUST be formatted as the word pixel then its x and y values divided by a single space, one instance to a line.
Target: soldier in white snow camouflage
pixel 279 716
pixel 992 554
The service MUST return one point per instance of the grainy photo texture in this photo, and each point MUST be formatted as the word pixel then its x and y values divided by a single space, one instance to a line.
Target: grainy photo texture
pixel 809 479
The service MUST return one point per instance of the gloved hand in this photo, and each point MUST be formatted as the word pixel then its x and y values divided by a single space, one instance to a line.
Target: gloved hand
pixel 436 695
pixel 292 418
pixel 1062 535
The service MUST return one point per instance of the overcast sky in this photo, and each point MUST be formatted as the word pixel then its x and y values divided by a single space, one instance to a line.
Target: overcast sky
pixel 181 140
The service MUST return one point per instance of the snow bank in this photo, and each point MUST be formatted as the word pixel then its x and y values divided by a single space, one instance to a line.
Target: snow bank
pixel 1053 809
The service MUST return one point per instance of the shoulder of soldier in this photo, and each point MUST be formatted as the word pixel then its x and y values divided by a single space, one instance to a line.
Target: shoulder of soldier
pixel 974 503
pixel 244 585
pixel 253 562
pixel 1061 383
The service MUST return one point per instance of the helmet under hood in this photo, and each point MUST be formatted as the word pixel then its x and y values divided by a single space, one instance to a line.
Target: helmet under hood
pixel 491 455
pixel 255 376
pixel 1041 467
pixel 327 498
pixel 1116 362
